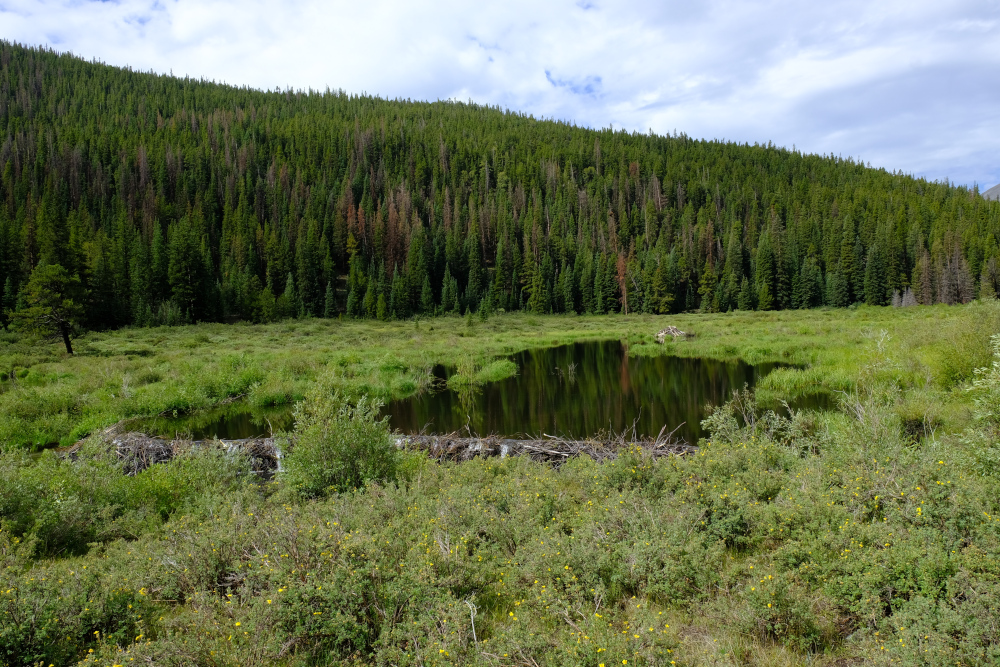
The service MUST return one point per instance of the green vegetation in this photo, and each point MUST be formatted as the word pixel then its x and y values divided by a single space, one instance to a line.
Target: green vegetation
pixel 53 303
pixel 338 446
pixel 472 372
pixel 867 533
pixel 131 204
pixel 176 200
pixel 48 397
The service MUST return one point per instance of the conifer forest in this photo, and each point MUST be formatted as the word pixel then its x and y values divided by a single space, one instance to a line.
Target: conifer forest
pixel 168 200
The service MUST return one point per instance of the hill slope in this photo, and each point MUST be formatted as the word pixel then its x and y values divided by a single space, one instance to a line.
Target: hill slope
pixel 993 194
pixel 179 199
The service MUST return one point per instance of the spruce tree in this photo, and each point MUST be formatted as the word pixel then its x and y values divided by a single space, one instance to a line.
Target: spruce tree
pixel 859 263
pixel 288 302
pixel 875 278
pixel 538 298
pixel 745 300
pixel 426 297
pixel 382 308
pixel 267 304
pixel 329 302
pixel 765 274
pixel 448 298
pixel 706 289
pixel 186 269
pixel 662 290
pixel 844 294
pixel 399 306
pixel 353 303
pixel 371 300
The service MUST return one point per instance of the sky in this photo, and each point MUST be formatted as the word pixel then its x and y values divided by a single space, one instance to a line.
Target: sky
pixel 911 86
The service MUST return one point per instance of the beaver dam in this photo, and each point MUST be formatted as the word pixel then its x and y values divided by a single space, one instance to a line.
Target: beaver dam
pixel 138 451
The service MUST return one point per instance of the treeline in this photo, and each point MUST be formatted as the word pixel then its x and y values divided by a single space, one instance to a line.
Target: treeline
pixel 180 200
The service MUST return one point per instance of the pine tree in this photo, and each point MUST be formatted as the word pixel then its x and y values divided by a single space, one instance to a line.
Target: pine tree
pixel 53 303
pixel 765 274
pixel 8 300
pixel 399 298
pixel 706 289
pixel 876 292
pixel 186 268
pixel 53 235
pixel 538 299
pixel 371 300
pixel 329 302
pixel 382 308
pixel 844 294
pixel 745 300
pixel 662 290
pixel 426 297
pixel 448 297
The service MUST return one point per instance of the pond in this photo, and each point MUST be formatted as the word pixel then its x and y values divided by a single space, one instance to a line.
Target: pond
pixel 581 390
pixel 575 391
pixel 232 422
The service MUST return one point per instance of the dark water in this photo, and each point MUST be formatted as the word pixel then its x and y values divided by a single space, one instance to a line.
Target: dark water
pixel 229 423
pixel 576 390
pixel 581 390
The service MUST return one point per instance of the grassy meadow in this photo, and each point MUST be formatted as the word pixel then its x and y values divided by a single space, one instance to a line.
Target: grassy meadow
pixel 863 536
pixel 48 397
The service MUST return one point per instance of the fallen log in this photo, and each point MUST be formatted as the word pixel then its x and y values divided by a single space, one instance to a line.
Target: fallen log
pixel 137 451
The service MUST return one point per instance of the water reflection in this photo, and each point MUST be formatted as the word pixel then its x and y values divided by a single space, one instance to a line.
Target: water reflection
pixel 233 422
pixel 576 390
pixel 580 390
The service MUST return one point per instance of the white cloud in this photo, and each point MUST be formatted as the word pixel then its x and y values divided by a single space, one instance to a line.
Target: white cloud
pixel 905 85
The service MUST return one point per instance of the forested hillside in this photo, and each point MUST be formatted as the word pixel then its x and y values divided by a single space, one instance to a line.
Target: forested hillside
pixel 182 200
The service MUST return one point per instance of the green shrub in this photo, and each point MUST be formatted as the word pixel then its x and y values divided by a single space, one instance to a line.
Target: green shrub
pixel 777 608
pixel 983 435
pixel 339 446
pixel 66 505
pixel 967 343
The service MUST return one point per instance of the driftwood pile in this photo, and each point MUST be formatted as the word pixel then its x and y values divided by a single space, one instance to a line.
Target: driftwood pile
pixel 137 451
pixel 670 331
pixel 549 450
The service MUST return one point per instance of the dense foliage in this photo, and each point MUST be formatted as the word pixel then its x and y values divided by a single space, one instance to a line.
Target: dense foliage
pixel 176 200
pixel 821 539
pixel 866 534
pixel 339 446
